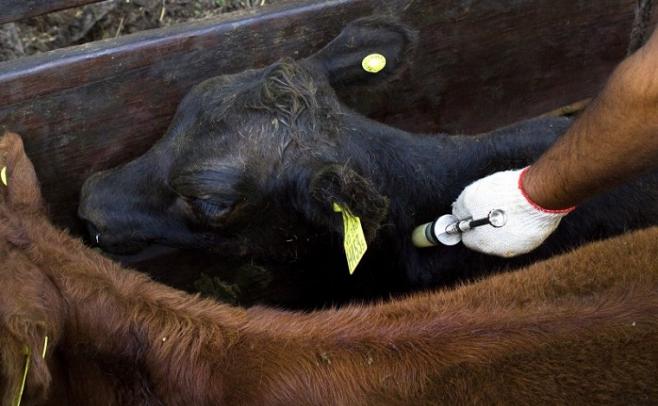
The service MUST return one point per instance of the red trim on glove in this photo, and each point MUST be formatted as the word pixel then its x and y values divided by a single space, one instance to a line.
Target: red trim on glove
pixel 535 205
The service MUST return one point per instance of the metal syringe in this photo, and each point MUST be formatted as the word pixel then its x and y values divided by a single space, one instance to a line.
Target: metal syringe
pixel 448 229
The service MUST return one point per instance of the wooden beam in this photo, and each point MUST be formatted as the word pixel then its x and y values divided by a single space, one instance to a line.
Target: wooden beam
pixel 13 10
pixel 480 65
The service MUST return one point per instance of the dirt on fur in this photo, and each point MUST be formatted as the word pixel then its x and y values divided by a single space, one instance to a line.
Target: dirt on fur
pixel 107 19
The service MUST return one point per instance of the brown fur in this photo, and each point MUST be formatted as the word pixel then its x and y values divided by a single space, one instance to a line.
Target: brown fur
pixel 579 328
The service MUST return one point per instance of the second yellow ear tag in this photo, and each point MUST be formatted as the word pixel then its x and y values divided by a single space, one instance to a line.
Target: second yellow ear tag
pixel 3 175
pixel 374 63
pixel 354 241
pixel 27 351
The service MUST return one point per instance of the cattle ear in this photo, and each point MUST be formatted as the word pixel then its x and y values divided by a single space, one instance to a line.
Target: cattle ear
pixel 342 59
pixel 19 180
pixel 342 185
pixel 18 348
pixel 30 318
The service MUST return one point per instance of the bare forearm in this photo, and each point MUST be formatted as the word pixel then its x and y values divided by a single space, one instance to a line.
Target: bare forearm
pixel 615 139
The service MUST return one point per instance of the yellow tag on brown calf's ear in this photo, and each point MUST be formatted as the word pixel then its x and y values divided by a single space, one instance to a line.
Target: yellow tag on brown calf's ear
pixel 354 241
pixel 45 347
pixel 27 351
pixel 3 175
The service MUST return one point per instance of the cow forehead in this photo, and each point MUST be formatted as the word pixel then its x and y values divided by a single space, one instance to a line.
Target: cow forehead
pixel 260 121
pixel 251 150
pixel 263 110
pixel 235 144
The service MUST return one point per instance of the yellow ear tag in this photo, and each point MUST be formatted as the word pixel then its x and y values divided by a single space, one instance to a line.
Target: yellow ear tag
pixel 354 241
pixel 3 175
pixel 45 347
pixel 19 397
pixel 374 63
pixel 28 353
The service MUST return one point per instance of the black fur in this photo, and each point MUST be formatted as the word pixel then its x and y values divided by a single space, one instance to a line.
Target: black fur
pixel 253 162
pixel 641 25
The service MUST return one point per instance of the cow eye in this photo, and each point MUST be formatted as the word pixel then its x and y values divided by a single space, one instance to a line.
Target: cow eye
pixel 208 208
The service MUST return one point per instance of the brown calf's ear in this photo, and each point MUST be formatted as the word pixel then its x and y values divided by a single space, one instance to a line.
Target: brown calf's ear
pixel 19 354
pixel 30 313
pixel 353 58
pixel 19 184
pixel 342 185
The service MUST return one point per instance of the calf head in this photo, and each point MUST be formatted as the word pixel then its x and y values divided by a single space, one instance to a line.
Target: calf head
pixel 252 162
pixel 30 307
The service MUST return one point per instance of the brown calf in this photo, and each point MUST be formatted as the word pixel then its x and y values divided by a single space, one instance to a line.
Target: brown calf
pixel 580 328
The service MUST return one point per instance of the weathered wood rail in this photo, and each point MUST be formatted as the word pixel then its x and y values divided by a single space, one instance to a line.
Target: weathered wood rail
pixel 479 65
pixel 13 10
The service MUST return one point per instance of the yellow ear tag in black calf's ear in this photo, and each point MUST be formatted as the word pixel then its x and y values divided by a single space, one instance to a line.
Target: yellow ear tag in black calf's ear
pixel 374 63
pixel 354 241
pixel 3 175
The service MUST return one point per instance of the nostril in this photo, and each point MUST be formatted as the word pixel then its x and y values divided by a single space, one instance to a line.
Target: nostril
pixel 94 233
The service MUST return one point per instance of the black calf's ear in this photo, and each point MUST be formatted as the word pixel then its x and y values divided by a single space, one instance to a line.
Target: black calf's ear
pixel 355 56
pixel 342 185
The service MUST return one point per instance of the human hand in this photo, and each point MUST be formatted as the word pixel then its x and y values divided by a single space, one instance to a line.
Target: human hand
pixel 527 226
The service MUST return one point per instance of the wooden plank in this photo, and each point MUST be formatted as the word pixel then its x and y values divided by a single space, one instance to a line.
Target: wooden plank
pixel 480 65
pixel 13 10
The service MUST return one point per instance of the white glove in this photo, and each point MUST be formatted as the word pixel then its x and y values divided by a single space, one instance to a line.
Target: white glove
pixel 527 226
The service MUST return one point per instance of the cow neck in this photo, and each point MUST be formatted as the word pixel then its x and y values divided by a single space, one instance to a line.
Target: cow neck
pixel 421 174
pixel 116 317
